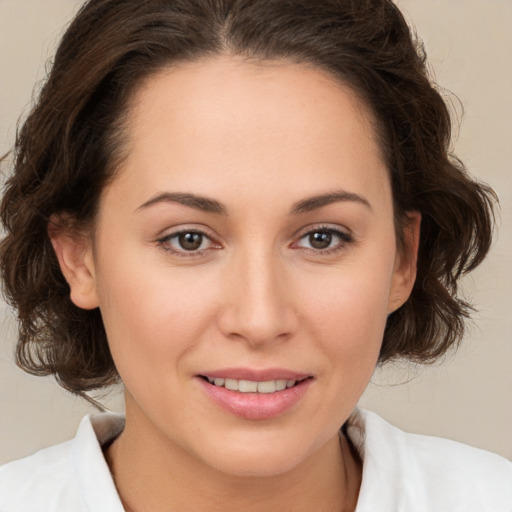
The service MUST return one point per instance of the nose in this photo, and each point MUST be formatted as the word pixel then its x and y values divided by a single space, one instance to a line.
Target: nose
pixel 258 300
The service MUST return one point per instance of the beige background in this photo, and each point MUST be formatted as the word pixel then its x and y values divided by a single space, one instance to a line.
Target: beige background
pixel 467 396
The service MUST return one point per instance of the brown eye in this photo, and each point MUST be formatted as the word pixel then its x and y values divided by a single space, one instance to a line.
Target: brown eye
pixel 320 239
pixel 190 241
pixel 325 240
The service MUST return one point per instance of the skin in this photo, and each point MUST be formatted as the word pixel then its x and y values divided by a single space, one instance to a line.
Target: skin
pixel 258 138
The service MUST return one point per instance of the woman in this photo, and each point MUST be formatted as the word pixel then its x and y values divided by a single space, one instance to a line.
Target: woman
pixel 238 209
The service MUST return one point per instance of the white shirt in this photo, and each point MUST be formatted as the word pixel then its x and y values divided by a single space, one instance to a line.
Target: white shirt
pixel 401 472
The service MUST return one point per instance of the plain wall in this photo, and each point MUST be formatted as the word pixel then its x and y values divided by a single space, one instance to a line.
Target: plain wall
pixel 467 396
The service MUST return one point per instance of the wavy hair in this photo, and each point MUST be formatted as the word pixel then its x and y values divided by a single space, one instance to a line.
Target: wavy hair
pixel 70 144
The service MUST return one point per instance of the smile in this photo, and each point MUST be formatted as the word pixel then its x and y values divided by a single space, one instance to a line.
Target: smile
pixel 255 395
pixel 249 386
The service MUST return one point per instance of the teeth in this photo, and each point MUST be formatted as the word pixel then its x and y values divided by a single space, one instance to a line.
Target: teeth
pixel 249 386
pixel 268 386
pixel 231 384
pixel 281 384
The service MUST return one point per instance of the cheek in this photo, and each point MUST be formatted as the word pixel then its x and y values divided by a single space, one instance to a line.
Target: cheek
pixel 151 314
pixel 347 310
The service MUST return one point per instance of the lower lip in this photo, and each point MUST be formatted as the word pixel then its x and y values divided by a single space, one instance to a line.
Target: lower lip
pixel 256 406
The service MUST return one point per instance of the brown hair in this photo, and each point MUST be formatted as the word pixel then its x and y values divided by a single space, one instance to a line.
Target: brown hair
pixel 70 145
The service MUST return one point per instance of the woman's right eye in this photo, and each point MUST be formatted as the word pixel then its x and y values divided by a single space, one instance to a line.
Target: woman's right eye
pixel 186 242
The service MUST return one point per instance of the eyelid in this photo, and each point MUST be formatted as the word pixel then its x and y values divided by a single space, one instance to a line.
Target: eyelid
pixel 345 235
pixel 334 228
pixel 163 240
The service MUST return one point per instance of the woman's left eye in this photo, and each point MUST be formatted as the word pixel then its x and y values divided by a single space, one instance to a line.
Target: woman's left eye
pixel 324 239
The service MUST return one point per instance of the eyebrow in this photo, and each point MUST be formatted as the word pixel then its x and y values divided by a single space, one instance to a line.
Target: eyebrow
pixel 312 203
pixel 191 200
pixel 209 205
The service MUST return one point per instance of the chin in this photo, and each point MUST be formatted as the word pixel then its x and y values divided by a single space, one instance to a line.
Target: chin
pixel 257 466
pixel 261 458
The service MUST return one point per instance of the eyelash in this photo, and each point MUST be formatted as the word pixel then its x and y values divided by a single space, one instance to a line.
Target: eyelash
pixel 164 242
pixel 343 237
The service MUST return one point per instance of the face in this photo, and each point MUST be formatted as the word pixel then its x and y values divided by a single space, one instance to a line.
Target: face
pixel 244 261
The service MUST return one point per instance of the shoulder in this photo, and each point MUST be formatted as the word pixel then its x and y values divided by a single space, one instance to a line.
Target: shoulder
pixel 422 473
pixel 59 478
pixel 44 477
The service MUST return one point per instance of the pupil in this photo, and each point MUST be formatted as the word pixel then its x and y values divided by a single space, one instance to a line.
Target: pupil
pixel 320 240
pixel 190 241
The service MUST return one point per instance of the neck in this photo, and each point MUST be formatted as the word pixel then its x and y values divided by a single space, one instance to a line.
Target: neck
pixel 153 473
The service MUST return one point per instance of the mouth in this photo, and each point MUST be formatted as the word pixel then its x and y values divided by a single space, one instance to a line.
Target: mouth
pixel 255 394
pixel 251 386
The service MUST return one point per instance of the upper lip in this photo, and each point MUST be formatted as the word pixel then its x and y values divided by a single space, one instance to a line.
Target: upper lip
pixel 256 375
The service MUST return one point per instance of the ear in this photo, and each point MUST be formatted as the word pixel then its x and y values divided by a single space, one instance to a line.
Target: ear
pixel 404 274
pixel 74 252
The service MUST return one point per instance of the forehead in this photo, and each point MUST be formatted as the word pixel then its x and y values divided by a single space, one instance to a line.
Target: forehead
pixel 243 121
pixel 245 93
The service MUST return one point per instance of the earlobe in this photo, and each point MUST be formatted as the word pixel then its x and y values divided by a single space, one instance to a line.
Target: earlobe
pixel 74 253
pixel 405 270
